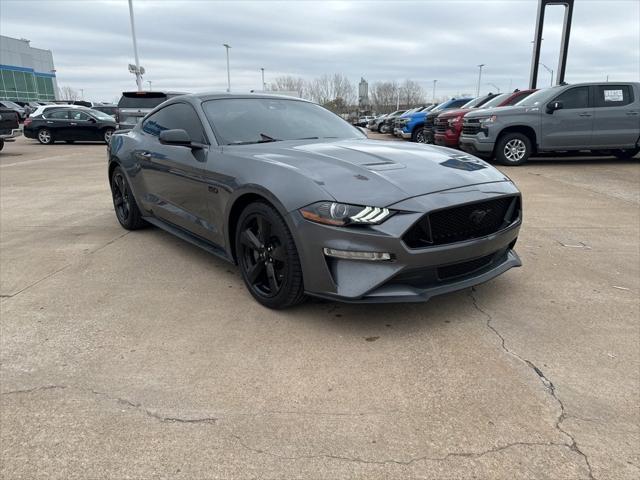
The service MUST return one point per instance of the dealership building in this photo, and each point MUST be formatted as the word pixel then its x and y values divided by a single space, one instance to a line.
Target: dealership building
pixel 26 73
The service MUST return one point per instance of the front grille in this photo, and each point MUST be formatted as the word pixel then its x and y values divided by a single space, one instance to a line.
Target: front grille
pixel 470 127
pixel 429 121
pixel 465 268
pixel 464 222
pixel 441 125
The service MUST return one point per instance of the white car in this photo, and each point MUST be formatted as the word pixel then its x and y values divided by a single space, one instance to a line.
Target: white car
pixel 41 109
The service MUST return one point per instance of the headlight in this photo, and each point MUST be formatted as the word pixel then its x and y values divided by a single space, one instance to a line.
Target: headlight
pixel 341 214
pixel 488 120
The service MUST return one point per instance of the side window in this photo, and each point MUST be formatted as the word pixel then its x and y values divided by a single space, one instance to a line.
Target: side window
pixel 574 98
pixel 58 115
pixel 613 95
pixel 458 103
pixel 177 115
pixel 79 116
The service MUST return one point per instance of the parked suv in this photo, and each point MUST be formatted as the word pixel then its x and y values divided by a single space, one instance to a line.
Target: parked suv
pixel 133 106
pixel 602 117
pixel 448 125
pixel 9 126
pixel 429 120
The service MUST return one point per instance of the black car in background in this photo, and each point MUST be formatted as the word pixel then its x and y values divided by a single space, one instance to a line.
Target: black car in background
pixel 111 110
pixel 70 125
pixel 133 106
pixel 9 126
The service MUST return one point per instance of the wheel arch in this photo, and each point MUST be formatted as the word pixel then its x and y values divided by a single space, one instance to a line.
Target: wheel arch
pixel 523 129
pixel 240 201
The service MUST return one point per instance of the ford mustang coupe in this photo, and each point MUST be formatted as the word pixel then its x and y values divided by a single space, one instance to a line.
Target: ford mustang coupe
pixel 305 204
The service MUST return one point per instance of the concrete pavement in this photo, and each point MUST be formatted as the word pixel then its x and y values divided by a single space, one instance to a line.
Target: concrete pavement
pixel 136 355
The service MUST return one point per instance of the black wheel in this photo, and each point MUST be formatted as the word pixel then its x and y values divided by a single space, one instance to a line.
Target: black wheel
pixel 124 204
pixel 44 136
pixel 107 135
pixel 418 135
pixel 513 149
pixel 626 154
pixel 427 136
pixel 268 257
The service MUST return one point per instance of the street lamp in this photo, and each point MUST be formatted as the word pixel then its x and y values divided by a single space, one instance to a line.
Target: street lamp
pixel 149 82
pixel 434 91
pixel 137 69
pixel 264 85
pixel 494 86
pixel 548 70
pixel 479 78
pixel 228 71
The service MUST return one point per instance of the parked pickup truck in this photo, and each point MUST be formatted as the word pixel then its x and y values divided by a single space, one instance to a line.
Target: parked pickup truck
pixel 9 126
pixel 601 117
pixel 410 126
pixel 429 120
pixel 448 125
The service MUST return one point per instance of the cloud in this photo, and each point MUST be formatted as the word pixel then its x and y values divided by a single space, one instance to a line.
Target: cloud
pixel 180 42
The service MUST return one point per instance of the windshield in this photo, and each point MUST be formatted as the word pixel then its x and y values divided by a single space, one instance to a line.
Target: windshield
pixel 238 121
pixel 535 99
pixel 495 101
pixel 11 104
pixel 100 115
pixel 476 102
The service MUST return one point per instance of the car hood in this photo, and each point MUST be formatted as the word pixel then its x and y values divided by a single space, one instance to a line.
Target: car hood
pixel 374 172
pixel 455 112
pixel 510 110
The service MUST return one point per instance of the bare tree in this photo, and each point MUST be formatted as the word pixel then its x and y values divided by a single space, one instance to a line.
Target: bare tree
pixel 287 83
pixel 411 93
pixel 328 88
pixel 384 96
pixel 68 93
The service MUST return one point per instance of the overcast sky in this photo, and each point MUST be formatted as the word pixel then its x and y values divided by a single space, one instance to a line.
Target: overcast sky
pixel 180 42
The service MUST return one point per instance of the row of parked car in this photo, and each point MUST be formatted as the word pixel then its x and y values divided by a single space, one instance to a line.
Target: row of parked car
pixel 603 118
pixel 49 122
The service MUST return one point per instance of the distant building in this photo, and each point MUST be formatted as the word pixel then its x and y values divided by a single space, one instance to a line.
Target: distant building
pixel 26 73
pixel 363 94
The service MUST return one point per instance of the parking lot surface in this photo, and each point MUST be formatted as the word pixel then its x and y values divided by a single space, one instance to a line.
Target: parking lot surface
pixel 137 355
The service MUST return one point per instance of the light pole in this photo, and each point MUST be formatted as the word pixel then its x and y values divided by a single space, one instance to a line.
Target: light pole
pixel 479 78
pixel 494 86
pixel 434 91
pixel 264 85
pixel 135 47
pixel 548 70
pixel 149 82
pixel 398 101
pixel 228 71
pixel 82 94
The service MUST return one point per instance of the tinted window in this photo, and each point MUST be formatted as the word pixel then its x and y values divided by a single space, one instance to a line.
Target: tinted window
pixel 178 115
pixel 59 114
pixel 141 99
pixel 458 103
pixel 613 95
pixel 574 98
pixel 251 120
pixel 79 116
pixel 495 101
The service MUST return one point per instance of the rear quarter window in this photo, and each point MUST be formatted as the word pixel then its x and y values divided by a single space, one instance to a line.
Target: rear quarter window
pixel 613 95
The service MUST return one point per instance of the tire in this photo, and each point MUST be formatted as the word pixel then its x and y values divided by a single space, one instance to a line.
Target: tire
pixel 1 143
pixel 106 135
pixel 513 149
pixel 418 135
pixel 626 154
pixel 268 258
pixel 124 204
pixel 45 136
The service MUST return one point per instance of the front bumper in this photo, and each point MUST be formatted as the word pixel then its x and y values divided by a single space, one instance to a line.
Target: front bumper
pixel 476 145
pixel 405 135
pixel 413 275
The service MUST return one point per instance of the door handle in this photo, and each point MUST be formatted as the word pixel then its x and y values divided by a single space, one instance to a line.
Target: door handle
pixel 143 155
pixel 584 114
pixel 632 113
pixel 49 122
pixel 73 123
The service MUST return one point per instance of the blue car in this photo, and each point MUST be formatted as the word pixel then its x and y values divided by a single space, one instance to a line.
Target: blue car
pixel 410 124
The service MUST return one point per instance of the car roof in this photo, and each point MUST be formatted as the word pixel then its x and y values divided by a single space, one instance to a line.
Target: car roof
pixel 217 95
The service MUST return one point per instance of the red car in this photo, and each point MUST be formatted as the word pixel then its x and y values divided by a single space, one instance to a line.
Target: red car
pixel 449 123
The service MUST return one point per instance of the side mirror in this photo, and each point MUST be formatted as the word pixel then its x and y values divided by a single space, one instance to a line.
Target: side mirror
pixel 92 120
pixel 176 136
pixel 553 106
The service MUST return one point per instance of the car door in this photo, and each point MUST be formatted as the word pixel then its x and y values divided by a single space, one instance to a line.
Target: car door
pixel 616 116
pixel 58 122
pixel 82 126
pixel 570 127
pixel 173 175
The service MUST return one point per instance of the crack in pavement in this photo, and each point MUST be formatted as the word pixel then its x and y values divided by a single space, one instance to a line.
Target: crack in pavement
pixel 548 384
pixel 472 455
pixel 123 401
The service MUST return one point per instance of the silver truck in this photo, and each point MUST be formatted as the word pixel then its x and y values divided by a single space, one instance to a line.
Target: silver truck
pixel 600 117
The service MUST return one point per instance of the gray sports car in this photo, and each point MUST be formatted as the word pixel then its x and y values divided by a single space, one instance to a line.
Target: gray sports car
pixel 305 204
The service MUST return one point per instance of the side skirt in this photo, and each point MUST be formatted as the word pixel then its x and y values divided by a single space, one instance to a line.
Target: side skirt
pixel 189 237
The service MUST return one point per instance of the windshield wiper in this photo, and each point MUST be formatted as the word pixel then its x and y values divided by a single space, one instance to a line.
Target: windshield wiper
pixel 263 139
